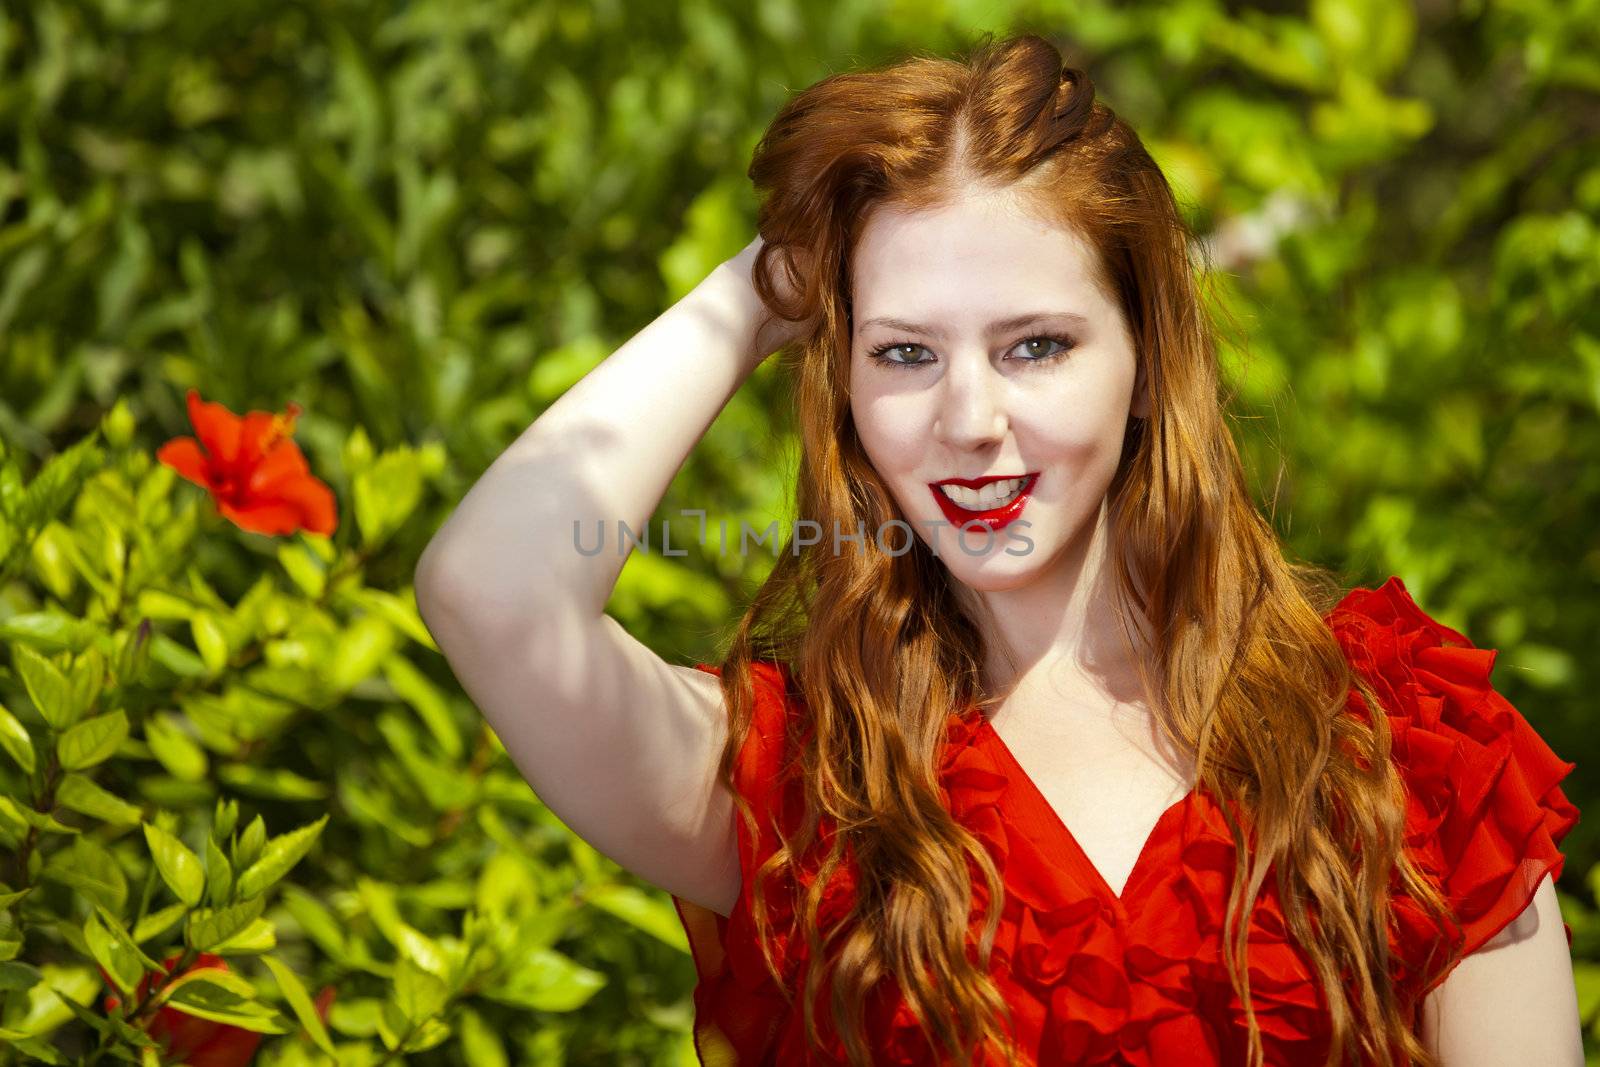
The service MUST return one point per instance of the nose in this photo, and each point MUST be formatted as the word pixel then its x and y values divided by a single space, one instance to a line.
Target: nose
pixel 971 412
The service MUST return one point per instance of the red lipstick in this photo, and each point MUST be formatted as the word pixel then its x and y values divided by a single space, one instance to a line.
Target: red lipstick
pixel 995 518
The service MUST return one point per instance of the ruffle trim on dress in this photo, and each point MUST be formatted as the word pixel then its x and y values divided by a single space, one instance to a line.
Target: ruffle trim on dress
pixel 1114 992
pixel 1485 811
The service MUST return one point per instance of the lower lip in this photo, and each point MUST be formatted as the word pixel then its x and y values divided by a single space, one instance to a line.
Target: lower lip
pixel 995 518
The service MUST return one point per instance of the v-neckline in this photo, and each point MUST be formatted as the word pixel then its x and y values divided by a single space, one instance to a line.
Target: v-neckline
pixel 1140 861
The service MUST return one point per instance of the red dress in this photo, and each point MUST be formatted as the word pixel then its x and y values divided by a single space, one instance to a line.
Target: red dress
pixel 1092 978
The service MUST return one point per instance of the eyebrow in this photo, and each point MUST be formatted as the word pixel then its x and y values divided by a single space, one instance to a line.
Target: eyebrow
pixel 1015 322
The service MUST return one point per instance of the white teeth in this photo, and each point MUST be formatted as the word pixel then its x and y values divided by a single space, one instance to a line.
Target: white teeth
pixel 993 495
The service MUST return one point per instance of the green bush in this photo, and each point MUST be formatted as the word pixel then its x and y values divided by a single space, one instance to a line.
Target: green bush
pixel 271 777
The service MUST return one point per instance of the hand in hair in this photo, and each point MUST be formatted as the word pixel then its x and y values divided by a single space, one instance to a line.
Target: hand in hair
pixel 788 274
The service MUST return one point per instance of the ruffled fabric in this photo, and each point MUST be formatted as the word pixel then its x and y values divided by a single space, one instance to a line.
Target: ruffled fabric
pixel 1139 980
pixel 740 1013
pixel 1485 812
pixel 1136 980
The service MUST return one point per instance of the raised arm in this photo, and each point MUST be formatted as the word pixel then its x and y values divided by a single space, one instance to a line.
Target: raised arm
pixel 619 743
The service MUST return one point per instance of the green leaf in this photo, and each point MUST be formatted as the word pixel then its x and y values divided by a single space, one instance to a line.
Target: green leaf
pixel 47 630
pixel 412 943
pixel 420 995
pixel 35 1049
pixel 392 1025
pixel 304 1008
pixel 115 927
pixel 224 820
pixel 545 980
pixel 92 741
pixel 161 604
pixel 357 453
pixel 133 654
pixel 214 984
pixel 172 746
pixel 1587 978
pixel 356 1016
pixel 19 817
pixel 278 857
pixel 446 786
pixel 14 738
pixel 52 562
pixel 316 920
pixel 47 1002
pixel 47 687
pixel 426 1035
pixel 121 964
pixel 116 1028
pixel 400 611
pixel 179 867
pixel 276 783
pixel 260 936
pixel 429 701
pixel 210 641
pixel 303 569
pixel 80 793
pixel 320 546
pixel 480 1045
pixel 62 475
pixel 158 922
pixel 19 977
pixel 91 869
pixel 219 874
pixel 9 898
pixel 386 493
pixel 86 678
pixel 652 914
pixel 215 994
pixel 360 651
pixel 176 658
pixel 209 927
pixel 250 843
pixel 89 1017
pixel 119 424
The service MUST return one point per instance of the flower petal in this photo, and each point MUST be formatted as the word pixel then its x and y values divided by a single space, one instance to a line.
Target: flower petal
pixel 184 455
pixel 217 427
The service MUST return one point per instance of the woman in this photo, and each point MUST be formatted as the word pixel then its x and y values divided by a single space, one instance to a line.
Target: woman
pixel 1041 751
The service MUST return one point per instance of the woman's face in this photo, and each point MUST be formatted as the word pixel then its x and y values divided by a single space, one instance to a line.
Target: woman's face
pixel 1002 359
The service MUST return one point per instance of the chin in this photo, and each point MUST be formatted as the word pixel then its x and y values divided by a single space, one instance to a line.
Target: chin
pixel 998 568
pixel 987 577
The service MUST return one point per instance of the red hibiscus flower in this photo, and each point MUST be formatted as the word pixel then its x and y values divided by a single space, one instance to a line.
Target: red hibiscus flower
pixel 253 470
pixel 187 1038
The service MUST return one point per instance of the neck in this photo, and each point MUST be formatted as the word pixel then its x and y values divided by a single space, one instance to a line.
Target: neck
pixel 1063 625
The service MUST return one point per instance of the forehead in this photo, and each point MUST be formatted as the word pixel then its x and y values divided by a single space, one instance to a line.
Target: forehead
pixel 978 254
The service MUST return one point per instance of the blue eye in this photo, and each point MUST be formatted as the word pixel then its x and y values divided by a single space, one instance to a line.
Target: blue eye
pixel 881 353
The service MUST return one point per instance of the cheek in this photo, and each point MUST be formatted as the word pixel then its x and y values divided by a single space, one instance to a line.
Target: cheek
pixel 893 431
pixel 1060 438
pixel 1064 426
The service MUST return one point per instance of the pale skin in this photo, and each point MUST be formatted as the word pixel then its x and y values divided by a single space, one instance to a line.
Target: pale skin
pixel 623 746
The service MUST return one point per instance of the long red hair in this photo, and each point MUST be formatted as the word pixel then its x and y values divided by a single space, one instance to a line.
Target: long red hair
pixel 1247 674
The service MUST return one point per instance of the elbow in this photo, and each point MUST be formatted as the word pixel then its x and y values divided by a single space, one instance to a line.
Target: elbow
pixel 456 597
pixel 429 588
pixel 441 589
pixel 428 579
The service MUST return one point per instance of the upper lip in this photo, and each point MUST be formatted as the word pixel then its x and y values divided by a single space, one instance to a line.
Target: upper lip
pixel 979 483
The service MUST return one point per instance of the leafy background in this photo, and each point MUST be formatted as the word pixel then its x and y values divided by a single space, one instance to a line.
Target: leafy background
pixel 423 221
